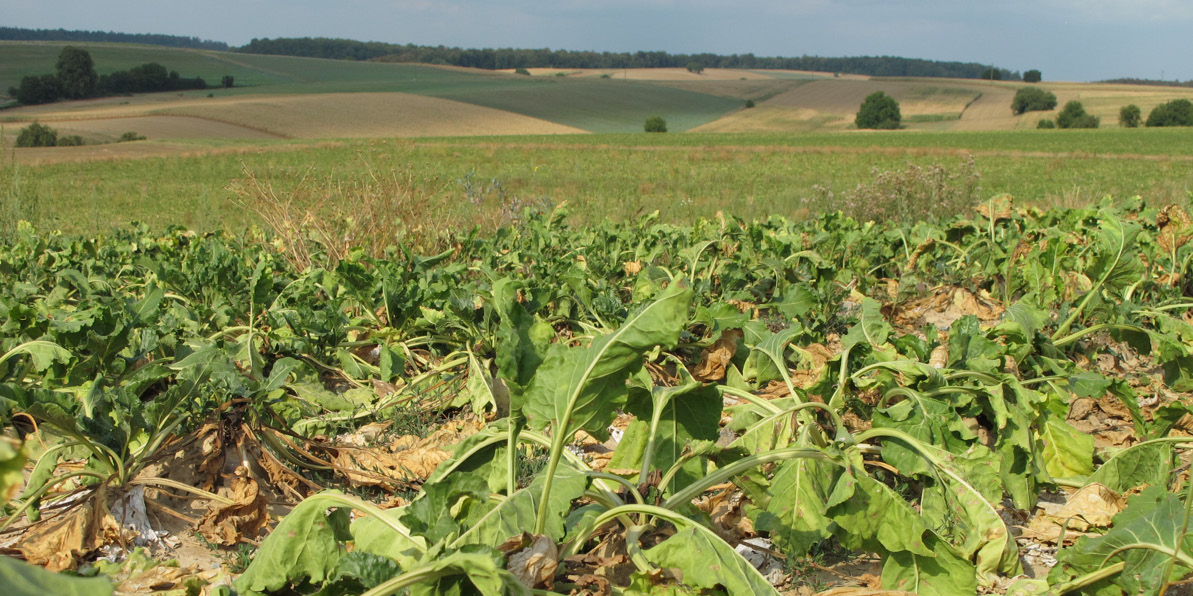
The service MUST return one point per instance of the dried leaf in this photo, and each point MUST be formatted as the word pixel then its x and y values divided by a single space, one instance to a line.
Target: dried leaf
pixel 535 565
pixel 716 358
pixel 1093 505
pixel 999 207
pixel 59 543
pixel 228 525
pixel 1176 229
pixel 374 467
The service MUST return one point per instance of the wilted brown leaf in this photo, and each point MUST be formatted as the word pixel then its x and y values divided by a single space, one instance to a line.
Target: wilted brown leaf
pixel 999 207
pixel 58 544
pixel 632 267
pixel 536 564
pixel 376 467
pixel 1092 506
pixel 228 525
pixel 716 358
pixel 1176 229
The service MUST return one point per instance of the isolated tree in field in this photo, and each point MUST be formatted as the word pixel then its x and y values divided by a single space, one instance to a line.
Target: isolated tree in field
pixel 1178 112
pixel 35 89
pixel 1046 123
pixel 1073 115
pixel 37 135
pixel 1032 76
pixel 879 111
pixel 76 73
pixel 1130 116
pixel 695 67
pixel 655 124
pixel 1032 99
pixel 227 81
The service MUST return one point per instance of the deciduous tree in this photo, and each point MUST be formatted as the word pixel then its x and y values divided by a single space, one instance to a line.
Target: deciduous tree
pixel 1130 116
pixel 880 111
pixel 76 73
pixel 1032 99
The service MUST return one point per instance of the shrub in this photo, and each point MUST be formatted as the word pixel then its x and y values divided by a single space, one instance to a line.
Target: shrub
pixel 522 71
pixel 879 111
pixel 1046 123
pixel 227 81
pixel 749 103
pixel 1130 116
pixel 1032 99
pixel 1032 76
pixel 1073 115
pixel 1178 112
pixel 70 141
pixel 655 124
pixel 37 135
pixel 35 89
pixel 131 136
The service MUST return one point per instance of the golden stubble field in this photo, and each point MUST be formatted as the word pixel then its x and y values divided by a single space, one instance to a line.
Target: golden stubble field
pixel 166 117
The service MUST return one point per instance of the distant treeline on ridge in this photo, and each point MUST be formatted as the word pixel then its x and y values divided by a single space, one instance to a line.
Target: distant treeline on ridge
pixel 506 58
pixel 174 41
pixel 510 58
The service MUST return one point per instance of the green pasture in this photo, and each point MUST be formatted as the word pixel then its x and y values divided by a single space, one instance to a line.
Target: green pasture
pixel 618 176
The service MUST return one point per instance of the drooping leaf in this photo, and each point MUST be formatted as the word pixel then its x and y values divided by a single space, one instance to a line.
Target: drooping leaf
pixel 870 516
pixel 871 328
pixel 945 573
pixel 493 525
pixel 794 517
pixel 305 546
pixel 707 562
pixel 22 579
pixel 1145 463
pixel 1144 536
pixel 1068 452
pixel 581 389
pixel 470 571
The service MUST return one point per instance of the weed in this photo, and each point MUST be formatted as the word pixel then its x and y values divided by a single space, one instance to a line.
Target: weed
pixel 916 193
pixel 18 193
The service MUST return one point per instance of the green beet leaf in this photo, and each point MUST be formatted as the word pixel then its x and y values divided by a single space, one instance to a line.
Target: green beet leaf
pixel 708 562
pixel 22 579
pixel 1145 536
pixel 945 573
pixel 581 389
pixel 305 546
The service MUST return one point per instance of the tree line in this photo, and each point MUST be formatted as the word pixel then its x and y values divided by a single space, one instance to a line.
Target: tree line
pixel 75 78
pixel 174 41
pixel 513 58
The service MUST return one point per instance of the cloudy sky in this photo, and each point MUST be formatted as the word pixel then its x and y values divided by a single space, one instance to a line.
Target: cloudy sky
pixel 1077 40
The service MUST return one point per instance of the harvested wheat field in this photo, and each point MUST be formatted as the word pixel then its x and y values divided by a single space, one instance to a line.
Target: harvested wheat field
pixel 330 115
pixel 358 115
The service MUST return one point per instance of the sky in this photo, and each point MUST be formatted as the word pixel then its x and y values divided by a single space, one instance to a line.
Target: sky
pixel 1071 40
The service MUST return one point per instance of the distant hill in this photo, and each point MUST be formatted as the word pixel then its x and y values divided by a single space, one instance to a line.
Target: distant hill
pixel 174 41
pixel 510 58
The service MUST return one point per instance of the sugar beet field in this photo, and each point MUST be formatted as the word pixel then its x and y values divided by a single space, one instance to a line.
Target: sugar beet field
pixel 833 368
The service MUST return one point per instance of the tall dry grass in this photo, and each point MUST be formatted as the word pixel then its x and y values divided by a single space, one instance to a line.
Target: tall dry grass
pixel 318 222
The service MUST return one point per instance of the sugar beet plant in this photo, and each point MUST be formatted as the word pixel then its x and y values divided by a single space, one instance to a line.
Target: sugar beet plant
pixel 783 359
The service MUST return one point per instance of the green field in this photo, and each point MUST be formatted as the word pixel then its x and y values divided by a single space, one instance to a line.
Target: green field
pixel 622 176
